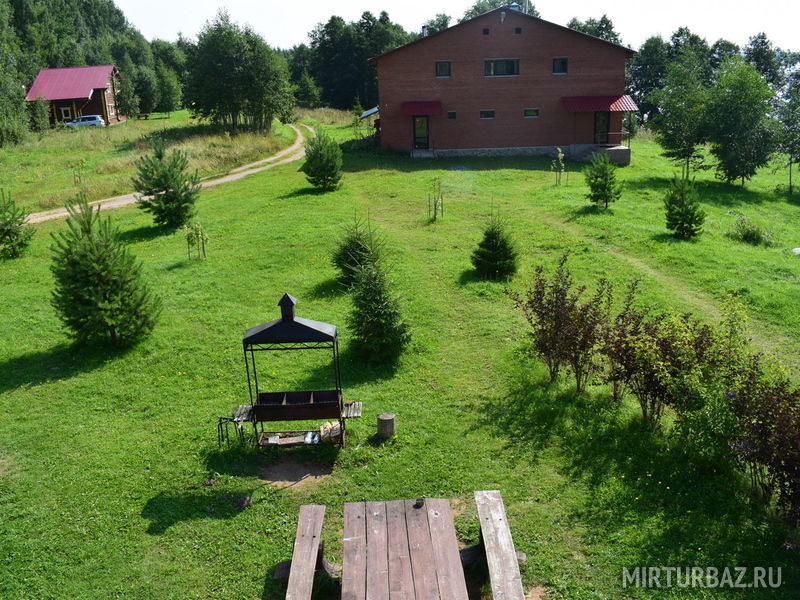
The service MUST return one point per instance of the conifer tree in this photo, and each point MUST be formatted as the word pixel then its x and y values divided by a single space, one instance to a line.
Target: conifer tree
pixel 379 331
pixel 495 257
pixel 165 188
pixel 602 181
pixel 100 294
pixel 15 233
pixel 684 216
pixel 323 166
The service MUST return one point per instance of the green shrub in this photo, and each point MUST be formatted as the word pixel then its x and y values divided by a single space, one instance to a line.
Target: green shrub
pixel 100 294
pixel 685 218
pixel 379 332
pixel 165 188
pixel 323 165
pixel 601 178
pixel 360 245
pixel 39 114
pixel 749 232
pixel 15 233
pixel 495 257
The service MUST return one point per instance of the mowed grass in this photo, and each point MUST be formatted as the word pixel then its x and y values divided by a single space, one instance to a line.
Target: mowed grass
pixel 103 456
pixel 47 169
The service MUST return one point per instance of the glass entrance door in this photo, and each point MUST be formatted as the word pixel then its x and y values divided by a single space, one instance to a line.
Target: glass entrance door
pixel 421 133
pixel 602 120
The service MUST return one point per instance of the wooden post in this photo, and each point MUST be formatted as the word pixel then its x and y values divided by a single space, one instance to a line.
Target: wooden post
pixel 385 425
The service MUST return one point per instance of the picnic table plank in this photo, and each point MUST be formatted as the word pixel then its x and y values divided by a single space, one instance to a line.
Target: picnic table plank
pixel 423 566
pixel 500 553
pixel 401 579
pixel 377 552
pixel 306 552
pixel 449 572
pixel 354 551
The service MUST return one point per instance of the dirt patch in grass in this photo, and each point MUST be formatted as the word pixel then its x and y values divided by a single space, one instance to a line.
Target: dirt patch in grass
pixel 536 593
pixel 295 473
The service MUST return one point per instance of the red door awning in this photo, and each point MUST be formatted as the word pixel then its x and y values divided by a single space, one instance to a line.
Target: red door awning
pixel 599 103
pixel 426 107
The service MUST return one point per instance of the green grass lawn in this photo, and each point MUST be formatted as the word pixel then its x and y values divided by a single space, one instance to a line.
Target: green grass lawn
pixel 103 456
pixel 45 171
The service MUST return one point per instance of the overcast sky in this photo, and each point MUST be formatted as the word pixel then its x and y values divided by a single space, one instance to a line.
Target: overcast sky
pixel 287 23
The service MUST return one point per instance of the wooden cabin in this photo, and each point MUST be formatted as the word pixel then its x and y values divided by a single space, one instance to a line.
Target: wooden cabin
pixel 77 91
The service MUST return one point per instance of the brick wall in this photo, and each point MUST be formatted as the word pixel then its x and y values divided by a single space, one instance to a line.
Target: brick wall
pixel 595 69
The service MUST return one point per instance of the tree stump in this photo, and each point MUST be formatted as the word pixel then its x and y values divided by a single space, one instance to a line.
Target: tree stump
pixel 385 425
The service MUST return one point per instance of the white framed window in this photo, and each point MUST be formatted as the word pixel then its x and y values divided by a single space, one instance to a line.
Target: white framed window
pixel 66 113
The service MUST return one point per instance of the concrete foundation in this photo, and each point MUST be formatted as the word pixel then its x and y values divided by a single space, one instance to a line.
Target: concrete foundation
pixel 620 155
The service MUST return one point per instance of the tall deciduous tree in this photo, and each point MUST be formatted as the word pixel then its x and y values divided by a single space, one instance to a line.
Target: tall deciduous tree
pixel 602 28
pixel 646 73
pixel 147 89
pixel 740 128
pixel 760 53
pixel 482 6
pixel 235 79
pixel 12 100
pixel 438 23
pixel 789 116
pixel 169 90
pixel 679 123
pixel 127 100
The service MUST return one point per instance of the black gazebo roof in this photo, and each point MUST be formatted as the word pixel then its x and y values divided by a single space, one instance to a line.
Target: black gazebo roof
pixel 289 329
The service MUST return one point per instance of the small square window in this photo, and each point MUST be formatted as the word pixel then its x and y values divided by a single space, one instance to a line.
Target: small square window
pixel 485 31
pixel 559 66
pixel 487 114
pixel 531 113
pixel 443 68
pixel 451 115
pixel 518 30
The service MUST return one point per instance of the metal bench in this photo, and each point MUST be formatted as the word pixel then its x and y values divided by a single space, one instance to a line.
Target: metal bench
pixel 501 557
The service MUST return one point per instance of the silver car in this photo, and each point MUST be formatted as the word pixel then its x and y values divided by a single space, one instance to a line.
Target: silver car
pixel 86 121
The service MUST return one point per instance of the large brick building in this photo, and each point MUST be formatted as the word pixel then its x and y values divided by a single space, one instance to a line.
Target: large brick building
pixel 77 91
pixel 503 82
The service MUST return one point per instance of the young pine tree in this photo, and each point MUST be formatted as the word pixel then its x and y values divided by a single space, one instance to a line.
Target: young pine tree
pixel 601 178
pixel 15 233
pixel 100 293
pixel 323 166
pixel 684 216
pixel 360 245
pixel 379 332
pixel 495 257
pixel 165 188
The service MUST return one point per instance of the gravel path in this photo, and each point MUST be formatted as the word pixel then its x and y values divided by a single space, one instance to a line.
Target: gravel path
pixel 287 155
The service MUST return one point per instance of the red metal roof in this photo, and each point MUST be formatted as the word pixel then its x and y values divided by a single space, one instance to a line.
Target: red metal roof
pixel 426 107
pixel 599 103
pixel 69 83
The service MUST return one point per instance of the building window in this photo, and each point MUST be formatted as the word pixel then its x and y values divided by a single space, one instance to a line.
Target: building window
pixel 451 115
pixel 531 113
pixel 504 67
pixel 66 113
pixel 485 31
pixel 443 68
pixel 487 114
pixel 518 30
pixel 560 66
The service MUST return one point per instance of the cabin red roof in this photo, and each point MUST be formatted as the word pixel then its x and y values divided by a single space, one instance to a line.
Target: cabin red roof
pixel 598 103
pixel 70 82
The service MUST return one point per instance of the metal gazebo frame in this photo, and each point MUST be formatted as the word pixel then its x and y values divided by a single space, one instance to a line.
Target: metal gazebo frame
pixel 292 333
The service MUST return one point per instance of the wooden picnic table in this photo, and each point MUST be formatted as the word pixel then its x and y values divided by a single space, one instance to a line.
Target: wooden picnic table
pixel 401 549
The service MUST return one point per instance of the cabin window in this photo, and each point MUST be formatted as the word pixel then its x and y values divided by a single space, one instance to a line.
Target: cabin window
pixel 451 115
pixel 560 66
pixel 487 114
pixel 66 113
pixel 443 68
pixel 504 67
pixel 518 30
pixel 485 31
pixel 531 113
